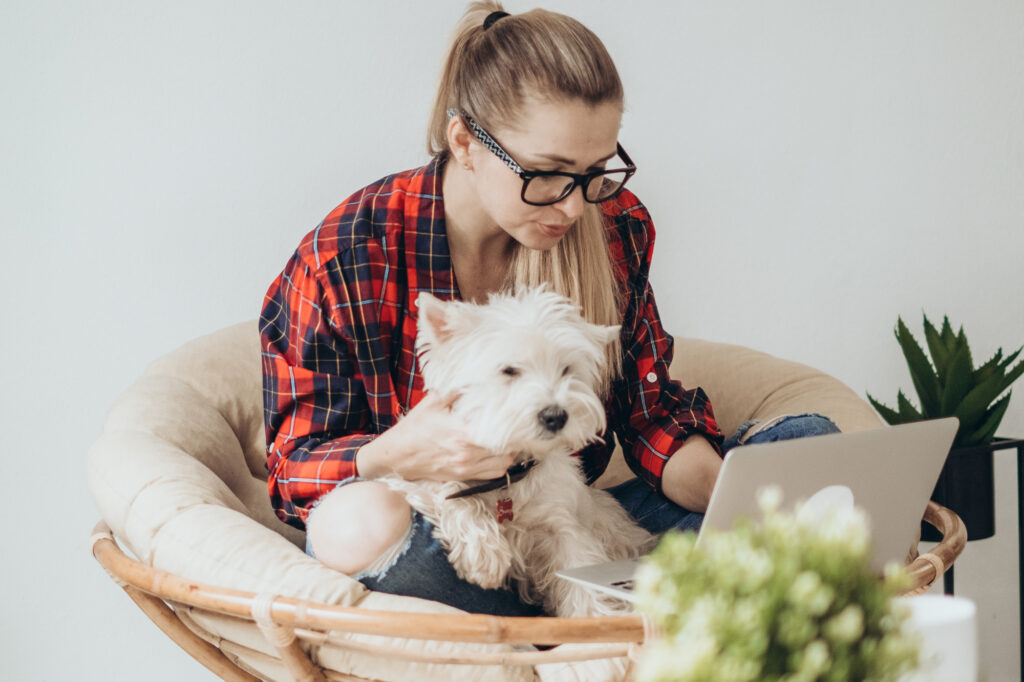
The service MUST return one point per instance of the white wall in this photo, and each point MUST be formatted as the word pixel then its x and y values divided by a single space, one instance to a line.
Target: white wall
pixel 819 167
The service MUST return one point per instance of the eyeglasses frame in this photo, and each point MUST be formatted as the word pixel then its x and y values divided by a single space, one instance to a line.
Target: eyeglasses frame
pixel 578 179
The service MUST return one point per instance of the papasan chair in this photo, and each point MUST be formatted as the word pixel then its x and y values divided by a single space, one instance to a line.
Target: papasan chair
pixel 179 478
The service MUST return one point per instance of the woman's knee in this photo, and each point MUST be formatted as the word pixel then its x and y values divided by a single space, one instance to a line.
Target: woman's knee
pixel 792 426
pixel 806 425
pixel 354 524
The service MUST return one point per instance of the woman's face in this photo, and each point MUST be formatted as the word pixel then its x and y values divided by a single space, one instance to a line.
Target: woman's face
pixel 570 136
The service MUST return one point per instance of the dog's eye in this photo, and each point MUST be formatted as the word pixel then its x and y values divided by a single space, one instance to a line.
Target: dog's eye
pixel 510 371
pixel 565 370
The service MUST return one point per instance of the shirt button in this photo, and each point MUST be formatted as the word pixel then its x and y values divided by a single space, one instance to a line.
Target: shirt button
pixel 652 377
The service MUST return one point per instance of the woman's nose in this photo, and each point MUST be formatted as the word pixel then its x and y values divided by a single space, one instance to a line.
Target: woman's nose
pixel 572 205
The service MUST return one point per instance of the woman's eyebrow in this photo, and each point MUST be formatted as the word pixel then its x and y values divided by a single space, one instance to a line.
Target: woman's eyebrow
pixel 569 162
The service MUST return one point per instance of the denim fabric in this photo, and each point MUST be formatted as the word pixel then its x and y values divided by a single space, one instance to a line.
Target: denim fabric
pixel 657 514
pixel 783 428
pixel 422 568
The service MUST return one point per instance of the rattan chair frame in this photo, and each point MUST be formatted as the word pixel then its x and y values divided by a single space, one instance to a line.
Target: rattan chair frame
pixel 287 623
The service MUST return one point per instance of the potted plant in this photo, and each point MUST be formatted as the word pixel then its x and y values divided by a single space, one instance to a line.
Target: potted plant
pixel 949 385
pixel 783 600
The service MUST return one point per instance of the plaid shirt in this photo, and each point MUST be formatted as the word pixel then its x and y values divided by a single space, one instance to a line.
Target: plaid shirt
pixel 339 324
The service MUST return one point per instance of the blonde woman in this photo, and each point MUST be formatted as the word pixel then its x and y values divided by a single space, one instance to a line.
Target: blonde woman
pixel 526 185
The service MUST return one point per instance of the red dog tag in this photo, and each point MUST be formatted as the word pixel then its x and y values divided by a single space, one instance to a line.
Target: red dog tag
pixel 504 510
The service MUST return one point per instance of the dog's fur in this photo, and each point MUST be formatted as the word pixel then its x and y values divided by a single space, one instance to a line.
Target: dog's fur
pixel 509 361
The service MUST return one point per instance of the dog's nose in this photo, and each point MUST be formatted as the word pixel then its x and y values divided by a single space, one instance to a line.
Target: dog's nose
pixel 553 418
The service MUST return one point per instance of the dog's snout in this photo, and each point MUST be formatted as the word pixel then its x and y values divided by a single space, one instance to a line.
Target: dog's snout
pixel 553 418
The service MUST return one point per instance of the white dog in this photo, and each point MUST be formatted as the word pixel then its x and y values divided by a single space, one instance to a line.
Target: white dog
pixel 525 369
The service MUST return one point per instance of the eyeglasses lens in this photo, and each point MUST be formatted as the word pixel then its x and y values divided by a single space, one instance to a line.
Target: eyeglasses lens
pixel 602 187
pixel 546 189
pixel 549 189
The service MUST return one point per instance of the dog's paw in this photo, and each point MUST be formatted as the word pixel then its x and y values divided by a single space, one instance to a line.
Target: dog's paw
pixel 489 575
pixel 493 581
pixel 581 602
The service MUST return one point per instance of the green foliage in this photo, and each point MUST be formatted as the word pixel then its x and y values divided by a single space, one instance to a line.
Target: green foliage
pixel 948 385
pixel 784 601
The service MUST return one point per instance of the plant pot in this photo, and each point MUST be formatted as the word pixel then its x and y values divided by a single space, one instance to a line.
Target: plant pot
pixel 966 485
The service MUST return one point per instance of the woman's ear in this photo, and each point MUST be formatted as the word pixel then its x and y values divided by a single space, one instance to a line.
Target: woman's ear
pixel 459 139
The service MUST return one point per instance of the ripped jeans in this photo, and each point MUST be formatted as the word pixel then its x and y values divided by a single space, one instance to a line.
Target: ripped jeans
pixel 420 568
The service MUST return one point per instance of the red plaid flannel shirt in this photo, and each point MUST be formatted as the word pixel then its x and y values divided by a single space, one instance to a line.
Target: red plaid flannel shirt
pixel 339 324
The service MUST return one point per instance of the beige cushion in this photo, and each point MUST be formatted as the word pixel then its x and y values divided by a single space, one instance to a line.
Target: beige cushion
pixel 745 384
pixel 178 473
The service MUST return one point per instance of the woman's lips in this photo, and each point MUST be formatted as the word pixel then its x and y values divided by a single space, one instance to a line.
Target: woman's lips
pixel 554 230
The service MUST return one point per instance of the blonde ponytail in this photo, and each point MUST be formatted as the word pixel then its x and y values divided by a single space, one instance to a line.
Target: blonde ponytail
pixel 488 73
pixel 470 25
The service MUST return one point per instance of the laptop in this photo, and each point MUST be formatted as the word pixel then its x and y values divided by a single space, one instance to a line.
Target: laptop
pixel 888 472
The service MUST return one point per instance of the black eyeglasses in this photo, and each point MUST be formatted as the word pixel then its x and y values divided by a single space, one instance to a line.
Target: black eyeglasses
pixel 543 188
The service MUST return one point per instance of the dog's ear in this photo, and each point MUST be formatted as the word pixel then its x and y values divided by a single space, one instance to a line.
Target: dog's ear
pixel 434 325
pixel 609 334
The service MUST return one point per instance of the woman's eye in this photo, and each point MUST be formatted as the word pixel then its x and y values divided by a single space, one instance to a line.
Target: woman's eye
pixel 510 371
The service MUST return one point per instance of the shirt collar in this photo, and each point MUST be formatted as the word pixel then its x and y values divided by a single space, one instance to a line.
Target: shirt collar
pixel 428 259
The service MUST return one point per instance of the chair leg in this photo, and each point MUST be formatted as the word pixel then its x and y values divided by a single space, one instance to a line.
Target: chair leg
pixel 298 663
pixel 210 656
pixel 283 639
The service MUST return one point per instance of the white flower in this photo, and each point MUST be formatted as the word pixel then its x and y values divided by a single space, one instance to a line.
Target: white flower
pixel 679 658
pixel 846 527
pixel 815 658
pixel 769 499
pixel 809 594
pixel 756 568
pixel 847 626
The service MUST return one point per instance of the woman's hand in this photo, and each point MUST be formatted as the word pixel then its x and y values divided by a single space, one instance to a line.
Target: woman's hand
pixel 429 443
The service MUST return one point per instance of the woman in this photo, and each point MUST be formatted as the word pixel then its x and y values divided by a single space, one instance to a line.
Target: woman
pixel 525 186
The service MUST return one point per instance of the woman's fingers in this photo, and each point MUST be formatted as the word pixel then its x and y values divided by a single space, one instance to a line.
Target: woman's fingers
pixel 439 448
pixel 490 465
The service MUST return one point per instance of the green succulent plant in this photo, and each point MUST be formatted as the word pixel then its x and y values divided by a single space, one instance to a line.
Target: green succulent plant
pixel 949 385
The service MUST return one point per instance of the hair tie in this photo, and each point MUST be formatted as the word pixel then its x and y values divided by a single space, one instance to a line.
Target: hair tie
pixel 493 17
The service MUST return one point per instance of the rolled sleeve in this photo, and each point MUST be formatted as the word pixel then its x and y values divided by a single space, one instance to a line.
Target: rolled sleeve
pixel 657 413
pixel 654 413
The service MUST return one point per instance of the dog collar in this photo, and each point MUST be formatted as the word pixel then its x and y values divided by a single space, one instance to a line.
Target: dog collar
pixel 514 473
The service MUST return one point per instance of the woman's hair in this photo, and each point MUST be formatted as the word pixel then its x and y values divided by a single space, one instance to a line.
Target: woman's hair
pixel 489 73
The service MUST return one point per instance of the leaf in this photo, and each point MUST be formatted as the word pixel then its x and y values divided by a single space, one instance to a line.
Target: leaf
pixel 1010 358
pixel 921 372
pixel 961 341
pixel 1012 375
pixel 990 367
pixel 987 431
pixel 908 413
pixel 939 352
pixel 948 337
pixel 890 415
pixel 971 411
pixel 958 382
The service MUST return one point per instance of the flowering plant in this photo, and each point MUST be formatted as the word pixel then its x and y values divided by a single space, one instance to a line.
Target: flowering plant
pixel 790 599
